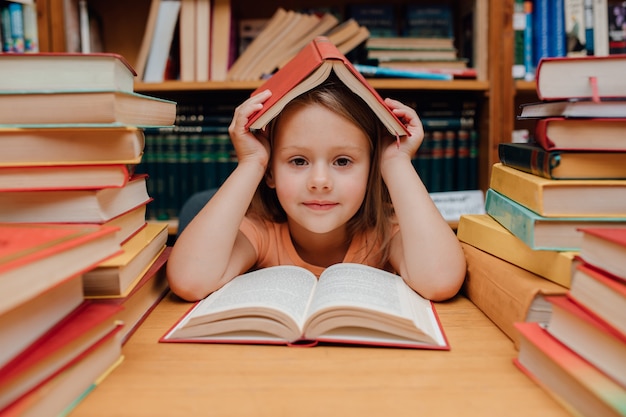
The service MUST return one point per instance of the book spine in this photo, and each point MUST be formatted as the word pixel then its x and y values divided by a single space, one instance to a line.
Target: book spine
pixel 617 29
pixel 31 33
pixel 529 63
pixel 5 19
pixel 519 27
pixel 574 11
pixel 428 21
pixel 541 30
pixel 510 217
pixel 558 35
pixel 588 10
pixel 533 161
pixel 600 27
pixel 436 172
pixel 376 71
pixel 16 15
pixel 380 19
pixel 462 160
pixel 448 161
pixel 472 176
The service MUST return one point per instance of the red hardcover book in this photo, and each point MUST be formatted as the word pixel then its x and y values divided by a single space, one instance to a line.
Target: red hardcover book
pixel 588 336
pixel 73 206
pixel 309 68
pixel 605 249
pixel 35 258
pixel 601 134
pixel 581 77
pixel 65 344
pixel 601 294
pixel 570 379
pixel 143 298
pixel 68 177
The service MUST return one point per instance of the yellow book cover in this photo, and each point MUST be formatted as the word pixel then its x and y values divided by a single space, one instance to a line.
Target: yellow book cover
pixel 117 275
pixel 486 234
pixel 507 293
pixel 564 198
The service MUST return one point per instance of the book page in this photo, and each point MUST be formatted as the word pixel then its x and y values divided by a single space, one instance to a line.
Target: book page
pixel 284 289
pixel 370 297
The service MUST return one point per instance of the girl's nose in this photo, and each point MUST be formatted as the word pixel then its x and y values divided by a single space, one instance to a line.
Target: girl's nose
pixel 320 178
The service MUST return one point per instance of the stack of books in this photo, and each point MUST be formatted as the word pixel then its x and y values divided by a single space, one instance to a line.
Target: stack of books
pixel 422 40
pixel 580 356
pixel 79 256
pixel 545 202
pixel 285 34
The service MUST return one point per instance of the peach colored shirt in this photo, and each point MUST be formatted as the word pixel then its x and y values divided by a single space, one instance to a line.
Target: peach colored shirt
pixel 273 246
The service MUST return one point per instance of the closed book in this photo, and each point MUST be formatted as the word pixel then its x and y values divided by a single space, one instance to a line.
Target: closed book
pixel 563 164
pixel 69 177
pixel 560 198
pixel 570 379
pixel 222 40
pixel 23 324
pixel 587 77
pixel 69 72
pixel 506 293
pixel 34 258
pixel 539 232
pixel 308 69
pixel 605 248
pixel 73 206
pixel 119 274
pixel 62 346
pixel 486 234
pixel 85 108
pixel 589 337
pixel 162 38
pixel 143 297
pixel 68 146
pixel 560 133
pixel 600 293
pixel 607 108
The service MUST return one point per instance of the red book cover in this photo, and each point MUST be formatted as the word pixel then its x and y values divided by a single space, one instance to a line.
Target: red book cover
pixel 63 345
pixel 614 235
pixel 314 55
pixel 586 77
pixel 598 134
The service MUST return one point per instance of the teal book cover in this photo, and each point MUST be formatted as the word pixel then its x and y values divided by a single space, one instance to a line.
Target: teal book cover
pixel 538 232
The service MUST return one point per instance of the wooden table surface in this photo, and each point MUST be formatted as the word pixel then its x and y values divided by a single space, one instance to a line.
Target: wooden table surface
pixel 475 378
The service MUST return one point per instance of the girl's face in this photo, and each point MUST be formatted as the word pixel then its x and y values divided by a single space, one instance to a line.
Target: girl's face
pixel 319 168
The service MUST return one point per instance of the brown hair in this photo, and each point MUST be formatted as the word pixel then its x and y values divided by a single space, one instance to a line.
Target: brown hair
pixel 376 211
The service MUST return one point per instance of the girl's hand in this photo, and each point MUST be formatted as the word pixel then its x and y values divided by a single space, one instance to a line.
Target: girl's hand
pixel 408 145
pixel 248 146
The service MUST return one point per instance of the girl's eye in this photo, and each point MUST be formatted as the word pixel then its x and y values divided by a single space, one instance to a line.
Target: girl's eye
pixel 342 162
pixel 298 161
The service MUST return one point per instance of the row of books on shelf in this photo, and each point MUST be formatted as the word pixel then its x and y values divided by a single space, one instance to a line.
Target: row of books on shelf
pixel 546 261
pixel 558 28
pixel 202 40
pixel 18 27
pixel 80 265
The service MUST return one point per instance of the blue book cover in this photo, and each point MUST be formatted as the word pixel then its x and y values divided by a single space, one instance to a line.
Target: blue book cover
pixel 539 232
pixel 541 30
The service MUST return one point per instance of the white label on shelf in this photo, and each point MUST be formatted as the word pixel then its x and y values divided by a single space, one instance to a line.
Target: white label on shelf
pixel 452 204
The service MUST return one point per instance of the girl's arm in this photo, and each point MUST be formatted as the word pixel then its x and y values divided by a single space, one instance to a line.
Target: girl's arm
pixel 425 252
pixel 211 250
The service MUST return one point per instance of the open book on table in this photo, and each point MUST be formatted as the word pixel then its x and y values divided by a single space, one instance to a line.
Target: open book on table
pixel 349 304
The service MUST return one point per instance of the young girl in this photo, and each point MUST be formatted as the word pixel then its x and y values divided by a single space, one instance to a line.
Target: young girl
pixel 325 183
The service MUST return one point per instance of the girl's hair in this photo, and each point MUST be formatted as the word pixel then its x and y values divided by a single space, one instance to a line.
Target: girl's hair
pixel 376 211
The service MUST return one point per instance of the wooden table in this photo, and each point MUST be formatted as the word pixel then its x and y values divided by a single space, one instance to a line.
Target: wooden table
pixel 475 378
